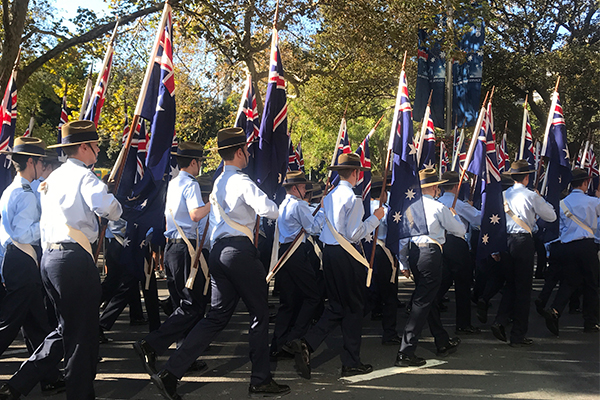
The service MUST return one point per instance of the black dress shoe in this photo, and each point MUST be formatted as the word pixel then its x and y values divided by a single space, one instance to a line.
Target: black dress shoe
pixel 8 393
pixel 54 388
pixel 499 332
pixel 360 370
pixel 551 317
pixel 395 341
pixel 404 360
pixel 539 306
pixel 592 329
pixel 197 366
pixel 102 338
pixel 147 355
pixel 166 382
pixel 526 342
pixel 450 348
pixel 270 389
pixel 301 356
pixel 166 306
pixel 468 330
pixel 482 309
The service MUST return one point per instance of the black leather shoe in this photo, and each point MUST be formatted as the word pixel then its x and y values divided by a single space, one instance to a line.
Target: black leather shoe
pixel 499 332
pixel 102 338
pixel 551 317
pixel 166 306
pixel 395 341
pixel 468 330
pixel 482 309
pixel 302 357
pixel 539 306
pixel 8 393
pixel 404 360
pixel 54 388
pixel 270 389
pixel 526 342
pixel 360 370
pixel 147 355
pixel 450 348
pixel 592 329
pixel 166 382
pixel 197 366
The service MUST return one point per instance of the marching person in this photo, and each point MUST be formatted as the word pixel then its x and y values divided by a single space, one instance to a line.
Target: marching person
pixel 384 287
pixel 72 199
pixel 457 262
pixel 345 271
pixel 23 305
pixel 184 209
pixel 579 215
pixel 235 270
pixel 425 260
pixel 299 292
pixel 522 207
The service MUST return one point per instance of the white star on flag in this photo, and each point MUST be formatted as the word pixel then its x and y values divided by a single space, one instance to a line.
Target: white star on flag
pixel 270 222
pixel 566 153
pixel 410 194
pixel 142 244
pixel 62 158
pixel 485 238
pixel 397 216
pixel 126 242
pixel 174 171
pixel 495 219
pixel 369 238
pixel 413 149
pixel 429 164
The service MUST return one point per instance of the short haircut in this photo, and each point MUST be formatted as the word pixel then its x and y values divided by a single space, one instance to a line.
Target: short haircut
pixel 19 161
pixel 228 153
pixel 184 162
pixel 519 177
pixel 71 151
pixel 578 184
pixel 345 173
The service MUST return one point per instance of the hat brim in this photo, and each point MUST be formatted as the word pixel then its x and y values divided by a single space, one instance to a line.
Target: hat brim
pixel 449 183
pixel 56 146
pixel 23 153
pixel 232 145
pixel 531 171
pixel 186 156
pixel 285 184
pixel 343 167
pixel 428 184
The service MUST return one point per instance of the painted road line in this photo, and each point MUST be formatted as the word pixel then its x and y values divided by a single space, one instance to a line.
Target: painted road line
pixel 380 373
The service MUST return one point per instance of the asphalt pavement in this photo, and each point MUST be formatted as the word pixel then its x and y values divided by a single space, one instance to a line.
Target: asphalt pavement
pixel 483 367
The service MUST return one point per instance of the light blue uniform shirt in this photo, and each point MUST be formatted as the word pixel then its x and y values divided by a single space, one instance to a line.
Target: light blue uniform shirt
pixel 382 232
pixel 295 214
pixel 439 220
pixel 525 204
pixel 20 214
pixel 586 209
pixel 183 196
pixel 35 184
pixel 468 214
pixel 345 212
pixel 75 197
pixel 117 227
pixel 242 200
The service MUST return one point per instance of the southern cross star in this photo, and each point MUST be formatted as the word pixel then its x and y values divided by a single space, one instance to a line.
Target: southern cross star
pixel 485 238
pixel 413 149
pixel 397 216
pixel 410 194
pixel 495 219
pixel 429 164
pixel 369 238
pixel 126 242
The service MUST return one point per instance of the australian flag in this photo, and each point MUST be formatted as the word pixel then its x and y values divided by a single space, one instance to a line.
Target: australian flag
pixel 300 156
pixel 272 153
pixel 406 216
pixel 7 134
pixel 363 186
pixel 592 168
pixel 292 160
pixel 247 119
pixel 97 100
pixel 427 150
pixel 503 159
pixel 145 207
pixel 444 160
pixel 431 76
pixel 64 118
pixel 528 150
pixel 342 147
pixel 493 218
pixel 558 174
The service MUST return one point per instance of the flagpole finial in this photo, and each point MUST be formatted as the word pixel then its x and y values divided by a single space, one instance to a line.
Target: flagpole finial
pixel 492 94
pixel 557 82
pixel 276 14
pixel 346 109
pixel 429 101
pixel 485 99
pixel 526 97
pixel 404 61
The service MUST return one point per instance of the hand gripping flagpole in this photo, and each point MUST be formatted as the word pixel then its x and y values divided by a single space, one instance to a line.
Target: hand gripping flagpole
pixel 117 171
pixel 546 132
pixel 471 147
pixel 294 244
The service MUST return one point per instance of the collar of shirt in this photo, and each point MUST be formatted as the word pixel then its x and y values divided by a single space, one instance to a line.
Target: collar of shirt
pixel 77 162
pixel 345 183
pixel 231 168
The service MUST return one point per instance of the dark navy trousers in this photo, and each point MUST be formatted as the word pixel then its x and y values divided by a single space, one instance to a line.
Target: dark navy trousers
pixel 458 269
pixel 236 272
pixel 384 292
pixel 73 284
pixel 192 302
pixel 23 305
pixel 426 266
